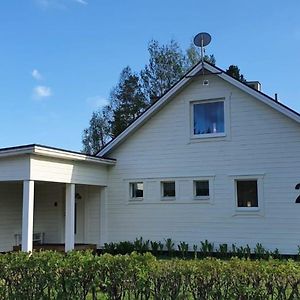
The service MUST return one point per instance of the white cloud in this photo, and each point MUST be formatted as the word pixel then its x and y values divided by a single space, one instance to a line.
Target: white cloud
pixel 84 2
pixel 60 4
pixel 36 75
pixel 96 102
pixel 41 91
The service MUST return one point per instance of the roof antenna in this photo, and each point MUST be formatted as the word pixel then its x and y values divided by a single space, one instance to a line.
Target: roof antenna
pixel 201 40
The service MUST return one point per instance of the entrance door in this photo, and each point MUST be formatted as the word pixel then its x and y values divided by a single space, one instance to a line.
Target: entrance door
pixel 79 221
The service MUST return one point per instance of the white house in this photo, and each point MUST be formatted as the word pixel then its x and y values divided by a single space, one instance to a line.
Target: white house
pixel 212 159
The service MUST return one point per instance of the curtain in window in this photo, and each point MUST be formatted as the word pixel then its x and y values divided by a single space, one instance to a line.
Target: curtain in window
pixel 209 118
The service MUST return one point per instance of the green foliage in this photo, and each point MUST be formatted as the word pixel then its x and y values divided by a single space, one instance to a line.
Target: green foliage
pixel 110 247
pixel 165 67
pixel 223 249
pixel 234 71
pixel 98 133
pixel 207 247
pixel 154 247
pixel 124 247
pixel 183 247
pixel 193 57
pixel 81 275
pixel 170 246
pixel 127 101
pixel 141 246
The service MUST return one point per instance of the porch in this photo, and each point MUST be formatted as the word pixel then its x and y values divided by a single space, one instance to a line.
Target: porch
pixel 51 197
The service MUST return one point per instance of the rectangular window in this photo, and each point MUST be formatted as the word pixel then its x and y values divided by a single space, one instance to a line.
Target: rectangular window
pixel 208 118
pixel 168 189
pixel 136 190
pixel 247 193
pixel 201 188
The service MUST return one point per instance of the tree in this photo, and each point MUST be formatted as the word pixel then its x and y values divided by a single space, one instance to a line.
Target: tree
pixel 135 92
pixel 98 133
pixel 127 101
pixel 166 65
pixel 193 57
pixel 234 71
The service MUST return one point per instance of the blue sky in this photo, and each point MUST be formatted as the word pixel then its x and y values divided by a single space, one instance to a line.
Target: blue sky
pixel 60 58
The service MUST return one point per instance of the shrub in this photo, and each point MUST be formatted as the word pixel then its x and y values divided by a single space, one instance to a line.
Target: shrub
pixel 81 275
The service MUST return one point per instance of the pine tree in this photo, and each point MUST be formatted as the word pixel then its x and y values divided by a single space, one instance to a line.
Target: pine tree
pixel 127 101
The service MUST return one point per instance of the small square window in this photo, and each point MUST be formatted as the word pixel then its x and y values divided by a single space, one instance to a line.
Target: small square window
pixel 201 188
pixel 168 189
pixel 136 190
pixel 208 118
pixel 246 191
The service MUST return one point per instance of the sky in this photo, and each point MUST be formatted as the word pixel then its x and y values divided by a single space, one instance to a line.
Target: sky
pixel 59 59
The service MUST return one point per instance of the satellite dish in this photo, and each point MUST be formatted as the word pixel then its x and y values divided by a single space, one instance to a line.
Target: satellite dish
pixel 202 39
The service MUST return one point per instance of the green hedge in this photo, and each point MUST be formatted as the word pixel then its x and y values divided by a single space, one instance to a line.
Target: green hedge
pixel 81 275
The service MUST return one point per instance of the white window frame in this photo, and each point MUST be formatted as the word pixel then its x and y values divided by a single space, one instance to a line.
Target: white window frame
pixel 203 198
pixel 208 135
pixel 131 198
pixel 166 198
pixel 259 210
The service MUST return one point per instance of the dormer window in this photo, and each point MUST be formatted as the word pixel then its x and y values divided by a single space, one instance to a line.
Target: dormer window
pixel 208 118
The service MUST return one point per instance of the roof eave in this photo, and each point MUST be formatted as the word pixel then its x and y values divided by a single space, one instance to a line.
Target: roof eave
pixel 177 87
pixel 53 153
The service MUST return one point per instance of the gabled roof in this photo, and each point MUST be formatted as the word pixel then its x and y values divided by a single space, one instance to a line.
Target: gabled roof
pixel 177 87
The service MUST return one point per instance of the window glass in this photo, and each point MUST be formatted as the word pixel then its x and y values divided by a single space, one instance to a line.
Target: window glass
pixel 209 117
pixel 168 189
pixel 247 193
pixel 202 188
pixel 137 189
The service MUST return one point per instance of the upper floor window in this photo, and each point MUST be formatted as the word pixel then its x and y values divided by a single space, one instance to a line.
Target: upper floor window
pixel 208 118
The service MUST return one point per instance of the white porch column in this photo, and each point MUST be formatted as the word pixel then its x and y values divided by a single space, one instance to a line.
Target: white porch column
pixel 27 216
pixel 70 216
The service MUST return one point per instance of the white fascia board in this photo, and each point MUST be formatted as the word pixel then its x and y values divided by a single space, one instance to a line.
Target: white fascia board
pixel 148 113
pixel 14 152
pixel 55 153
pixel 255 94
pixel 70 156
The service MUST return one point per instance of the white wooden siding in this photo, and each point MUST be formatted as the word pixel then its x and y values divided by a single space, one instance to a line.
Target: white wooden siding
pixel 261 141
pixel 49 212
pixel 58 170
pixel 92 213
pixel 14 168
pixel 48 218
pixel 10 213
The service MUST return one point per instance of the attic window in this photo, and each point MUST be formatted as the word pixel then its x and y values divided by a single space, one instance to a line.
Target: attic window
pixel 208 118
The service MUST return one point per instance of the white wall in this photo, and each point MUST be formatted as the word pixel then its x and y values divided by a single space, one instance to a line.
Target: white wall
pixel 58 170
pixel 260 141
pixel 92 214
pixel 14 168
pixel 10 213
pixel 49 209
pixel 49 212
pixel 48 217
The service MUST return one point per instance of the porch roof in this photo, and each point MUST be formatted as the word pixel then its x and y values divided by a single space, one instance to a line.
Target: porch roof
pixel 53 152
pixel 42 163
